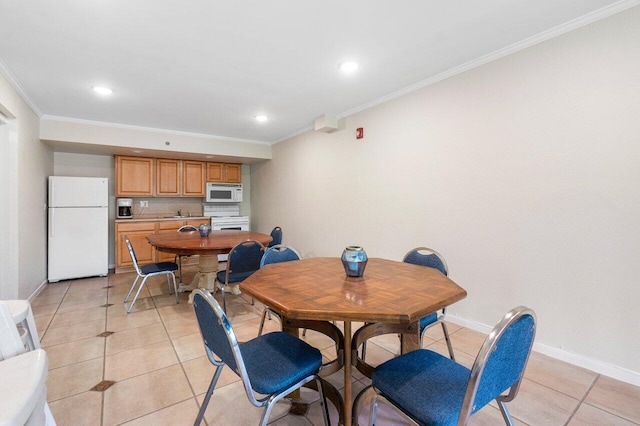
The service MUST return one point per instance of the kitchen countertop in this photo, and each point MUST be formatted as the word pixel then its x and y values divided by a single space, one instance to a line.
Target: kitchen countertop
pixel 152 218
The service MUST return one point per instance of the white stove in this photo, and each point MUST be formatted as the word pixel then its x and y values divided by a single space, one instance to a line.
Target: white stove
pixel 225 217
pixel 220 223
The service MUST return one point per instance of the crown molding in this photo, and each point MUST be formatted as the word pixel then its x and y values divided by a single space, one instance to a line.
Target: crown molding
pixel 13 81
pixel 559 30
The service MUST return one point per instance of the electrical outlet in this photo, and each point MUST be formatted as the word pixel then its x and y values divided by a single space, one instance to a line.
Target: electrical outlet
pixel 144 204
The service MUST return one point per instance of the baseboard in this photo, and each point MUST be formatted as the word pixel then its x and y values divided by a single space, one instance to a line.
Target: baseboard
pixel 37 291
pixel 600 367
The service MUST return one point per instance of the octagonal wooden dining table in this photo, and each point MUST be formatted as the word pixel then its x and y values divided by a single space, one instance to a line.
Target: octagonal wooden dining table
pixel 318 290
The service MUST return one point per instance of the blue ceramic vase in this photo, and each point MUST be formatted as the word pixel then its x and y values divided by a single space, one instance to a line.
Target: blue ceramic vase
pixel 354 259
pixel 204 230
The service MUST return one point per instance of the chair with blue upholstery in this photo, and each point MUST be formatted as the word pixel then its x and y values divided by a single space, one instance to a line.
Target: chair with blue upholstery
pixel 424 256
pixel 244 259
pixel 428 257
pixel 431 389
pixel 150 270
pixel 276 237
pixel 178 257
pixel 270 366
pixel 276 254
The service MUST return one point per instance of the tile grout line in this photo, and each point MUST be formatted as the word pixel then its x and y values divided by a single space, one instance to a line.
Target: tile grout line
pixel 581 401
pixel 104 357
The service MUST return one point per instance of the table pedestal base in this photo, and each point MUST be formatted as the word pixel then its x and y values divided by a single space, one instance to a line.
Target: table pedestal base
pixel 205 277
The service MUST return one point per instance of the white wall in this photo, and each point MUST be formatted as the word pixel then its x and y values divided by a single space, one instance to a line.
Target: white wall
pixel 8 214
pixel 34 163
pixel 523 173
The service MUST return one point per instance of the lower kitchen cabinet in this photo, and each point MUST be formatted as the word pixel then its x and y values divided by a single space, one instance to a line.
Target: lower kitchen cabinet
pixel 137 233
pixel 167 227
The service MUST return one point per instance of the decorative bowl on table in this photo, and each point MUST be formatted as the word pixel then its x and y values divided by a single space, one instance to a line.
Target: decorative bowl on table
pixel 354 259
pixel 204 230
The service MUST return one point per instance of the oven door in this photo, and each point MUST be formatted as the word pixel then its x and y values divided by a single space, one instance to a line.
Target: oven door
pixel 229 226
pixel 222 224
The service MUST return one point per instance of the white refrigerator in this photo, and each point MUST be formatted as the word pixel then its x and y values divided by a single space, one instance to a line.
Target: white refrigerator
pixel 78 227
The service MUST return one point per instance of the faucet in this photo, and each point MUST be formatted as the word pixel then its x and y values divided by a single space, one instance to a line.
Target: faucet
pixel 180 213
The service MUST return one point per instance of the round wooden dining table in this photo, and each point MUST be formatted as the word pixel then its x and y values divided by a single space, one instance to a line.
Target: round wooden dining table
pixel 207 248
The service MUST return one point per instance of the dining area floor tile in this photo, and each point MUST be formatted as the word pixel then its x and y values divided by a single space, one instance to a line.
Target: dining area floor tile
pixel 149 367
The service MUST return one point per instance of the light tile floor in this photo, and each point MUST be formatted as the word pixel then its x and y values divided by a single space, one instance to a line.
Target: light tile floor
pixel 150 368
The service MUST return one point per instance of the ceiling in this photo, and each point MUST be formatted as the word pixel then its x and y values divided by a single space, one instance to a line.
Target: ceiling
pixel 209 67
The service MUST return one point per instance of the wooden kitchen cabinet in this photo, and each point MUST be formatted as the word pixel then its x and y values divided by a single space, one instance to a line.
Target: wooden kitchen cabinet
pixel 167 227
pixel 224 172
pixel 193 178
pixel 135 176
pixel 180 178
pixel 168 177
pixel 137 233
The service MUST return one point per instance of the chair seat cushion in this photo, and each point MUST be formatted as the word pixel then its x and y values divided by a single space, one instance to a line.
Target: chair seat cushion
pixel 428 386
pixel 277 360
pixel 428 320
pixel 159 267
pixel 233 278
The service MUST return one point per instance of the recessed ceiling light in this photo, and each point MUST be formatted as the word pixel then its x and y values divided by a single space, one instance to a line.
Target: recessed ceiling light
pixel 262 118
pixel 349 66
pixel 102 90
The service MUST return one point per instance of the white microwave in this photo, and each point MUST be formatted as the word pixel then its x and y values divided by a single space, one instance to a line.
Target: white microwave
pixel 224 192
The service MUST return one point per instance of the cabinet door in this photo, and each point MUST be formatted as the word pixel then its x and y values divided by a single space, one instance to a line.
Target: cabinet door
pixel 193 179
pixel 137 233
pixel 168 177
pixel 134 176
pixel 166 227
pixel 215 172
pixel 233 173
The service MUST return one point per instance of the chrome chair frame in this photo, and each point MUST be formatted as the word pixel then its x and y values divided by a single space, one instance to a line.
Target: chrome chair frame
pixel 272 256
pixel 166 268
pixel 233 257
pixel 178 257
pixel 268 401
pixel 442 314
pixel 488 348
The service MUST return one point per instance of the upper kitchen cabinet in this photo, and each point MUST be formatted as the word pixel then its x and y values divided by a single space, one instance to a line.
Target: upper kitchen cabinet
pixel 193 179
pixel 134 176
pixel 168 177
pixel 224 172
pixel 180 178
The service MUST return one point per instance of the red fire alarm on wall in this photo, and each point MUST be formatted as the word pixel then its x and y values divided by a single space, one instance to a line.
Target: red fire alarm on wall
pixel 359 133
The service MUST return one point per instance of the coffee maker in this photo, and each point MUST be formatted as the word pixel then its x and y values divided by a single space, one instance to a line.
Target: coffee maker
pixel 125 208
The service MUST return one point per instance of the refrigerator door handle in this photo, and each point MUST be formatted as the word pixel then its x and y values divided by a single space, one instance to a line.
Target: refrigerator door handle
pixel 51 222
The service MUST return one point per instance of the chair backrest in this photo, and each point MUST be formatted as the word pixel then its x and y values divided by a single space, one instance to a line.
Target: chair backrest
pixel 279 253
pixel 132 253
pixel 187 228
pixel 501 361
pixel 276 235
pixel 427 257
pixel 245 257
pixel 10 341
pixel 219 337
